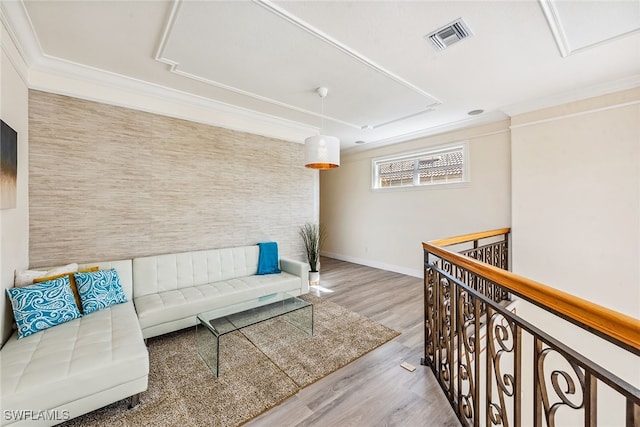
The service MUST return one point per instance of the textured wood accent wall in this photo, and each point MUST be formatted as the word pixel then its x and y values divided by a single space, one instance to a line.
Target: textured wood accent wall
pixel 109 183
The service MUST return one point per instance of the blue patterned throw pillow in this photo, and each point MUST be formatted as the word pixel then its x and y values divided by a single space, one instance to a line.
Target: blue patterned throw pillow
pixel 43 305
pixel 99 289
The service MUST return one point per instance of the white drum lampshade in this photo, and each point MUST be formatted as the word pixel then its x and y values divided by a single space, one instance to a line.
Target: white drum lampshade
pixel 322 152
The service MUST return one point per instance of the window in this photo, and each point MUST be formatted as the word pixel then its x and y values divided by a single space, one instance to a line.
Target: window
pixel 439 165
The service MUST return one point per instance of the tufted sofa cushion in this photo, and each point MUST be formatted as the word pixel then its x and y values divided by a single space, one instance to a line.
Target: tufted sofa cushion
pixel 169 272
pixel 188 302
pixel 171 289
pixel 79 358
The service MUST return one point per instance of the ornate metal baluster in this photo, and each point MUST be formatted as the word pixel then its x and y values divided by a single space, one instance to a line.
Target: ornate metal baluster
pixel 492 254
pixel 497 254
pixel 537 402
pixel 445 345
pixel 467 355
pixel 477 325
pixel 429 326
pixel 440 343
pixel 459 305
pixel 460 350
pixel 435 325
pixel 502 340
pixel 517 374
pixel 487 372
pixel 560 378
pixel 633 414
pixel 590 401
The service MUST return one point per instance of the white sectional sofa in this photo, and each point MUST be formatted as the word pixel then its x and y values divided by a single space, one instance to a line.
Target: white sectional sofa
pixel 75 367
pixel 87 363
pixel 170 290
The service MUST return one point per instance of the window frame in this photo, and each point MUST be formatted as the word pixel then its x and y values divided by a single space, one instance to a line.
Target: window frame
pixel 413 155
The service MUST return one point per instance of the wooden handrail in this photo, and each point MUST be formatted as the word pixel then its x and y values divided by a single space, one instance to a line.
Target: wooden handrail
pixel 619 327
pixel 470 237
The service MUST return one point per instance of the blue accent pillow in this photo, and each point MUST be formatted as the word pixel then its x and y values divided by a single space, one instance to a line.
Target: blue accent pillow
pixel 99 289
pixel 268 258
pixel 43 305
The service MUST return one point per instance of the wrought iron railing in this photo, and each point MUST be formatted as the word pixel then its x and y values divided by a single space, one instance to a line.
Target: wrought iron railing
pixel 495 367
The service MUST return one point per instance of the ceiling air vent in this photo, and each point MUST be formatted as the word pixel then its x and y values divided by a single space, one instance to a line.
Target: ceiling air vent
pixel 444 37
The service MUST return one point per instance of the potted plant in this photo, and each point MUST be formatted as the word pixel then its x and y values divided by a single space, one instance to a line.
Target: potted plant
pixel 313 236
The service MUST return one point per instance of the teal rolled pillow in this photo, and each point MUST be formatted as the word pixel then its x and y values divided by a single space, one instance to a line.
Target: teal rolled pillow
pixel 99 290
pixel 43 305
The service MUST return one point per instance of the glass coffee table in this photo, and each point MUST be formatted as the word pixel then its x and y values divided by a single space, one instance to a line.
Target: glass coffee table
pixel 214 324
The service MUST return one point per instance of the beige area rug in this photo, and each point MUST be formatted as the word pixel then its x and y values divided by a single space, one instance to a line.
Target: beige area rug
pixel 261 366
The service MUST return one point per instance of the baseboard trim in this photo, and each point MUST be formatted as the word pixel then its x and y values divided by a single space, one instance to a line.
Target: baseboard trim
pixel 375 264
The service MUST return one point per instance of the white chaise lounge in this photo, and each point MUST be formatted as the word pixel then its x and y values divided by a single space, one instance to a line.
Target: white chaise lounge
pixel 76 367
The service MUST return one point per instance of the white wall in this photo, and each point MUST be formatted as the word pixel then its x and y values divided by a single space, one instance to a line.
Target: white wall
pixel 576 221
pixel 14 223
pixel 576 199
pixel 386 228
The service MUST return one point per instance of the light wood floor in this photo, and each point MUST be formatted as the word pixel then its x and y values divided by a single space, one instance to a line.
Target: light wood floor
pixel 373 390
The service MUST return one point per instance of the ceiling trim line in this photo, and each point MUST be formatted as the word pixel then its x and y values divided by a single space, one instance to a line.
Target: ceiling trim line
pixel 399 119
pixel 452 139
pixel 576 114
pixel 553 20
pixel 20 28
pixel 52 66
pixel 174 67
pixel 559 35
pixel 271 7
pixel 601 42
pixel 428 132
pixel 168 28
pixel 573 95
pixel 179 72
pixel 40 68
pixel 13 52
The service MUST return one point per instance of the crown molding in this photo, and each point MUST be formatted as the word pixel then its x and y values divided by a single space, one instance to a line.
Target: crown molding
pixel 574 114
pixel 20 29
pixel 47 73
pixel 11 50
pixel 66 78
pixel 509 111
pixel 55 75
pixel 486 118
pixel 573 95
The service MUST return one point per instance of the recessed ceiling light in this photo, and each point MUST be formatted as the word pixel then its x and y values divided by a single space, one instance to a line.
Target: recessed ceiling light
pixel 475 112
pixel 359 142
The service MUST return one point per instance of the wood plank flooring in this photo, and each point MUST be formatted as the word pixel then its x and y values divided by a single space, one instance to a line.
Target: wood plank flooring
pixel 373 390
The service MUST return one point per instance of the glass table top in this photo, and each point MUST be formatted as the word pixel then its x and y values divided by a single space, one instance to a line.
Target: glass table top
pixel 228 319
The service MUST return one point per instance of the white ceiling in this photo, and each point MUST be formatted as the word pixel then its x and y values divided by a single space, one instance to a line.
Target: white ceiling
pixel 386 82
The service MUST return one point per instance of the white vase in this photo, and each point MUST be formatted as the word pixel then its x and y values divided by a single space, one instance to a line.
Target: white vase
pixel 314 278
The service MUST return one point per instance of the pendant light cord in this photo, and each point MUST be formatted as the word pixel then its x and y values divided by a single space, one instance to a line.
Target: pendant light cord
pixel 322 115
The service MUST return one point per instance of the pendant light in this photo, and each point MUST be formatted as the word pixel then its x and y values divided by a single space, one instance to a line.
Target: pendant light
pixel 322 151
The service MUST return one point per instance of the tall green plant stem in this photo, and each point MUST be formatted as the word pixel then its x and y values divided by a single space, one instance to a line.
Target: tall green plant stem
pixel 313 236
